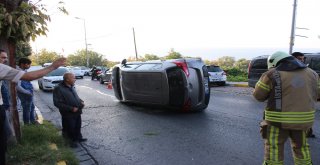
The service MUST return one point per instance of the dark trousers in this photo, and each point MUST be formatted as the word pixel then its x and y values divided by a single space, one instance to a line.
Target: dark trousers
pixel 71 126
pixel 3 137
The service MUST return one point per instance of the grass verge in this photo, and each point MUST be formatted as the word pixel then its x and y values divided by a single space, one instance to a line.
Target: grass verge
pixel 34 147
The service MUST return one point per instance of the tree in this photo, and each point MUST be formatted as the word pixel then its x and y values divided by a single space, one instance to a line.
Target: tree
pixel 133 58
pixel 242 64
pixel 173 55
pixel 151 57
pixel 46 56
pixel 23 49
pixel 20 21
pixel 80 58
pixel 226 62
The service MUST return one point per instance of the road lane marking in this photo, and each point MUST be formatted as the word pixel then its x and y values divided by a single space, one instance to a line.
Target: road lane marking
pixel 99 92
pixel 104 93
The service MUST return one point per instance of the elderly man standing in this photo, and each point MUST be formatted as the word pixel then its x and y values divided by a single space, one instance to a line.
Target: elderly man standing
pixel 70 107
pixel 14 75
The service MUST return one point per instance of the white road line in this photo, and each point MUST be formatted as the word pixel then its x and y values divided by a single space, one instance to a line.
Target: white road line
pixel 104 94
pixel 97 91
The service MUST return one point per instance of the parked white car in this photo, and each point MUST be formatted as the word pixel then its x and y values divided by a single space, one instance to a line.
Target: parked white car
pixel 216 75
pixel 77 71
pixel 48 82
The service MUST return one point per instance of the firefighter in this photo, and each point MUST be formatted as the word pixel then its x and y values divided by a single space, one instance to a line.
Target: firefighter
pixel 290 88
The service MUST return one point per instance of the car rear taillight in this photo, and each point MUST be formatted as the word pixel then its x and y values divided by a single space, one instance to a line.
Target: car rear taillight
pixel 183 66
pixel 98 72
pixel 249 67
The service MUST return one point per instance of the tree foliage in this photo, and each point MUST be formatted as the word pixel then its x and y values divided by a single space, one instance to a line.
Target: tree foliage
pixel 23 49
pixel 151 57
pixel 45 56
pixel 242 64
pixel 173 55
pixel 21 20
pixel 80 58
pixel 226 62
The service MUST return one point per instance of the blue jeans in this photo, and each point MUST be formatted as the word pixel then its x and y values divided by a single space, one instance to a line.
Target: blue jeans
pixel 28 108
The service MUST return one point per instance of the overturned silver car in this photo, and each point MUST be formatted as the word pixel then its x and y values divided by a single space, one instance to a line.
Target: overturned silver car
pixel 181 84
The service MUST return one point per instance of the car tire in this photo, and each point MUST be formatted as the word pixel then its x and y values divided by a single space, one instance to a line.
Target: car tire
pixel 101 81
pixel 40 86
pixel 222 83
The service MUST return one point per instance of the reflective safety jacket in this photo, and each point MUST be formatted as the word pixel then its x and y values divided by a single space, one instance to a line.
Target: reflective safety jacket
pixel 291 96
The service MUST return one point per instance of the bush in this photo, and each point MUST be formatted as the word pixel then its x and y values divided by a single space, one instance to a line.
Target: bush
pixel 236 75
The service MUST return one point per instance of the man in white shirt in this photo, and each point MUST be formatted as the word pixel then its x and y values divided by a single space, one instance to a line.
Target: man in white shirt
pixel 14 75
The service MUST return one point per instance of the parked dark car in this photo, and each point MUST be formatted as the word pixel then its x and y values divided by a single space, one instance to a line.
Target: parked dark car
pixel 181 84
pixel 105 76
pixel 258 66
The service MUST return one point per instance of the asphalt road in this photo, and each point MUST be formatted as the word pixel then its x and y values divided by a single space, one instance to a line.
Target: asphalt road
pixel 226 133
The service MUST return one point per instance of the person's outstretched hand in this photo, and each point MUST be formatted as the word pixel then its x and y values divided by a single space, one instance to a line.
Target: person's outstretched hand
pixel 59 62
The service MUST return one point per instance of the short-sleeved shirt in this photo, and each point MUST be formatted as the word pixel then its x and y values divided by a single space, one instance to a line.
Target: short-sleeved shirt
pixel 11 74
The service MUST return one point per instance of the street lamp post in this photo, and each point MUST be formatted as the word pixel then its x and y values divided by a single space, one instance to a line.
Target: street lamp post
pixel 85 38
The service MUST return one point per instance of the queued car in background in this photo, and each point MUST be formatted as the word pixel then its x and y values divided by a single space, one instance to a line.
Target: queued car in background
pixel 258 66
pixel 49 81
pixel 96 71
pixel 105 76
pixel 85 70
pixel 181 84
pixel 78 73
pixel 216 75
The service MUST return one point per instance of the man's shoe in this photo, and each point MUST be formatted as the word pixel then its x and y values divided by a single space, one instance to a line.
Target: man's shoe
pixel 311 136
pixel 73 145
pixel 82 140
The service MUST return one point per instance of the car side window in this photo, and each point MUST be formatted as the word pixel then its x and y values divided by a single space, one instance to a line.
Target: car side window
pixel 260 64
pixel 315 64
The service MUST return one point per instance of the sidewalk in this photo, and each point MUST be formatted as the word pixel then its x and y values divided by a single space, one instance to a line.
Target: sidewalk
pixel 80 152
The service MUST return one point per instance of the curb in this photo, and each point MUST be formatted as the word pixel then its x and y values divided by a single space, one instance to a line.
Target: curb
pixel 238 84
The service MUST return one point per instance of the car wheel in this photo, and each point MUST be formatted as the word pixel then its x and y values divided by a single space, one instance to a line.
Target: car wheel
pixel 40 86
pixel 222 83
pixel 101 81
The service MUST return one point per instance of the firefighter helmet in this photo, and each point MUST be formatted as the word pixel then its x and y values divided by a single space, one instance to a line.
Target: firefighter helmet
pixel 275 58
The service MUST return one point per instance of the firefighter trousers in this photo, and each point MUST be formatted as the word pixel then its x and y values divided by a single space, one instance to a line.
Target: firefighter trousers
pixel 274 141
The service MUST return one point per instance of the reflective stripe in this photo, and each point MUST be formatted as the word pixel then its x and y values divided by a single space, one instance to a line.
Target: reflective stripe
pixel 290 117
pixel 269 162
pixel 274 146
pixel 302 161
pixel 305 147
pixel 274 150
pixel 263 86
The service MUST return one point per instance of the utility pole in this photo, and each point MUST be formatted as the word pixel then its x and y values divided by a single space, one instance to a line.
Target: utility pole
pixel 293 26
pixel 135 46
pixel 85 38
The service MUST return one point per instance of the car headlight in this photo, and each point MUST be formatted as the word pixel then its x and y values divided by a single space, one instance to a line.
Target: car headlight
pixel 47 80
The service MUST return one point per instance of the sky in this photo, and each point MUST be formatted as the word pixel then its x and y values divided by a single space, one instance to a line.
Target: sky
pixel 201 28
